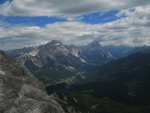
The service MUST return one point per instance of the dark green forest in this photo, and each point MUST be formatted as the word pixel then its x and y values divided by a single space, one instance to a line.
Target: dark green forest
pixel 121 86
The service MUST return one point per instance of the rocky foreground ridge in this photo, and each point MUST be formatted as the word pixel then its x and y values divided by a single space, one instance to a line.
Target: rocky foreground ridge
pixel 21 92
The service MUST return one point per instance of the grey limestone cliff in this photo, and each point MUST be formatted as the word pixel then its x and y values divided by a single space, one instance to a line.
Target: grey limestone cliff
pixel 21 92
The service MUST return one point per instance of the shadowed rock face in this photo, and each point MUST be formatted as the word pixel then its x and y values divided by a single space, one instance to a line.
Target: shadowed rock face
pixel 20 92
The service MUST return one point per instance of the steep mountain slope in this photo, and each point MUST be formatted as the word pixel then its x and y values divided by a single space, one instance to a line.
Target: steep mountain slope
pixel 21 92
pixel 57 62
pixel 96 54
pixel 121 86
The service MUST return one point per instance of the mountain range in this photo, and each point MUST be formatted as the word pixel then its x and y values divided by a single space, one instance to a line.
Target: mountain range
pixel 123 51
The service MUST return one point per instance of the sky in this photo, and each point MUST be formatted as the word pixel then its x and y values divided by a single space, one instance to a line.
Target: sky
pixel 25 23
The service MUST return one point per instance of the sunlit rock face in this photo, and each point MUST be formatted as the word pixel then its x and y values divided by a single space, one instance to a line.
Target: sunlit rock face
pixel 21 92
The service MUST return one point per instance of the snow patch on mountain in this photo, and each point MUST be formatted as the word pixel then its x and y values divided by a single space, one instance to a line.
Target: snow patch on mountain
pixel 57 44
pixel 33 53
pixel 69 68
pixel 37 63
pixel 82 60
pixel 75 53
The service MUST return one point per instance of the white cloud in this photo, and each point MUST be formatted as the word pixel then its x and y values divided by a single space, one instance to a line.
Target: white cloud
pixel 132 30
pixel 65 8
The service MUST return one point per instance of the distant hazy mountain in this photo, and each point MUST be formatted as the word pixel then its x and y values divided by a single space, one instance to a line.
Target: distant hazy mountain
pixel 123 51
pixel 21 92
pixel 54 61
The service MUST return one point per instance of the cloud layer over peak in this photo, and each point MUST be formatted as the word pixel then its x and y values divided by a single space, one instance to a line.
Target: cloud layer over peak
pixel 64 8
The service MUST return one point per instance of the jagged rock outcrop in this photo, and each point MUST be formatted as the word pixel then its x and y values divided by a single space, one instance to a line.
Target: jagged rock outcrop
pixel 21 92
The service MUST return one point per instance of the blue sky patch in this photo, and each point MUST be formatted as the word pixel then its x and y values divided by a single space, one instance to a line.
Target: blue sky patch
pixel 3 1
pixel 104 17
pixel 33 21
pixel 41 21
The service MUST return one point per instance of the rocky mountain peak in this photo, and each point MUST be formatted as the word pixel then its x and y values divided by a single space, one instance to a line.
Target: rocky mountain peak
pixel 94 44
pixel 53 47
pixel 54 43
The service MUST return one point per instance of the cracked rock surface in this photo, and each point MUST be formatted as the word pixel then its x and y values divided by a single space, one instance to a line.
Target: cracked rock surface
pixel 21 92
